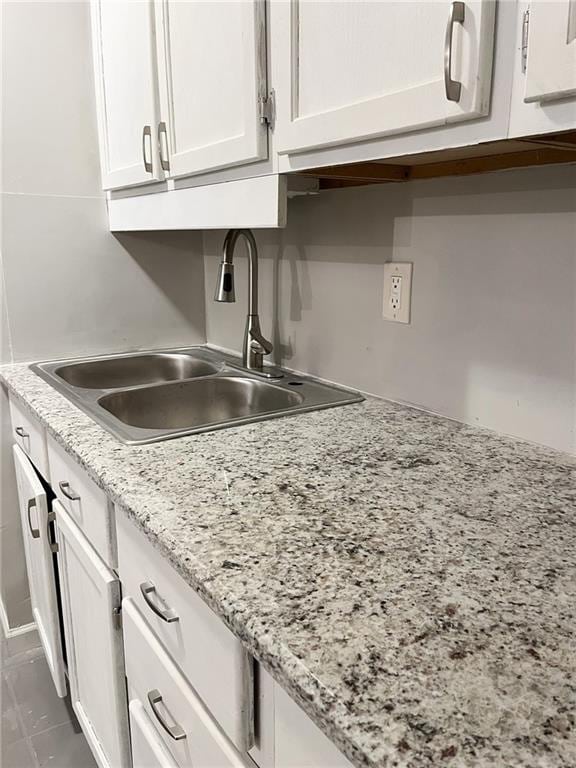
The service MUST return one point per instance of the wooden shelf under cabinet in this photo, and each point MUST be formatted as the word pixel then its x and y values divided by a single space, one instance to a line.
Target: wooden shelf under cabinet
pixel 547 149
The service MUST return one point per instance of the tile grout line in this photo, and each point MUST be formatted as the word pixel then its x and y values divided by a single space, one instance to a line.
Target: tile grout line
pixel 38 653
pixel 5 318
pixel 27 734
pixel 48 194
pixel 26 739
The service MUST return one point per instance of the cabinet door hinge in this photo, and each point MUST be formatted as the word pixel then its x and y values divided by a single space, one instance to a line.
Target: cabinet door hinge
pixel 266 109
pixel 525 28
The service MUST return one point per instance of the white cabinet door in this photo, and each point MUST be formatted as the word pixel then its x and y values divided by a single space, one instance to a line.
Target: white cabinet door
pixel 126 91
pixel 348 71
pixel 551 52
pixel 212 74
pixel 91 600
pixel 38 552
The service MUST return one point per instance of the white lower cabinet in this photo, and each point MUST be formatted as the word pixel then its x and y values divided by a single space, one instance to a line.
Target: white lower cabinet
pixel 30 437
pixel 91 602
pixel 209 655
pixel 209 702
pixel 186 727
pixel 85 503
pixel 38 547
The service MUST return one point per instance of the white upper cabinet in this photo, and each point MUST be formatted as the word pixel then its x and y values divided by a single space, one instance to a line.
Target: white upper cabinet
pixel 212 75
pixel 348 71
pixel 551 51
pixel 124 61
pixel 544 85
pixel 183 85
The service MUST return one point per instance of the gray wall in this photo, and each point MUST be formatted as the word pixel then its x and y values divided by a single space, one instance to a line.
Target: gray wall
pixel 492 338
pixel 69 287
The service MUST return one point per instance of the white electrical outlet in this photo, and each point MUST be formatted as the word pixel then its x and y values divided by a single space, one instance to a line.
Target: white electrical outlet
pixel 397 292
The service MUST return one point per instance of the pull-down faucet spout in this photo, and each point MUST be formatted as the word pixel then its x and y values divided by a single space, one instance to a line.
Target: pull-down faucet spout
pixel 255 346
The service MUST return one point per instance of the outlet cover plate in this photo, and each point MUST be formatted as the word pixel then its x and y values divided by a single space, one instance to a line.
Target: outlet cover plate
pixel 396 303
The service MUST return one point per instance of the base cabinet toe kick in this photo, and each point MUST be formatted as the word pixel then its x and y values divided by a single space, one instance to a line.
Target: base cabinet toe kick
pixel 155 677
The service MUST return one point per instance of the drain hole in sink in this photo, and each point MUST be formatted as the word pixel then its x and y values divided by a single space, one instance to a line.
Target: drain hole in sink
pixel 296 383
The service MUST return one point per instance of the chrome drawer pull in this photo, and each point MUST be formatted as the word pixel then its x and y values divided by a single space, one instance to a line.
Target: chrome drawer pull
pixel 34 531
pixel 175 731
pixel 21 432
pixel 453 87
pixel 70 493
pixel 167 614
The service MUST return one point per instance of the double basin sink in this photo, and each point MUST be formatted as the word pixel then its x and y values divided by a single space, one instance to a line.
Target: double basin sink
pixel 150 396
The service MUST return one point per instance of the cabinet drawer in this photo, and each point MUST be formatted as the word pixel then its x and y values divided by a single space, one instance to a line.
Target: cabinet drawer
pixel 30 436
pixel 209 655
pixel 180 717
pixel 148 750
pixel 86 504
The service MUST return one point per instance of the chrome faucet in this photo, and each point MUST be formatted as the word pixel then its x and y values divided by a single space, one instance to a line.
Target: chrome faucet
pixel 255 346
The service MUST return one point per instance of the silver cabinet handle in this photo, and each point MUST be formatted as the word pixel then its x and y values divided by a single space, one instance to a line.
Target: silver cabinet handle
pixel 21 432
pixel 175 731
pixel 34 531
pixel 69 492
pixel 147 132
pixel 453 87
pixel 167 614
pixel 164 161
pixel 50 519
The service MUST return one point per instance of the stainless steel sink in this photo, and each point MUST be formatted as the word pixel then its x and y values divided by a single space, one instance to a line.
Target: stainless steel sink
pixel 200 403
pixel 150 396
pixel 132 371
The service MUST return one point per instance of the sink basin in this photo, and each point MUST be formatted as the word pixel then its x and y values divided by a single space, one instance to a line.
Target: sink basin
pixel 130 371
pixel 149 396
pixel 197 403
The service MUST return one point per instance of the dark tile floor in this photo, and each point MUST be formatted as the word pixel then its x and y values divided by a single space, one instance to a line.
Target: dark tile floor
pixel 38 728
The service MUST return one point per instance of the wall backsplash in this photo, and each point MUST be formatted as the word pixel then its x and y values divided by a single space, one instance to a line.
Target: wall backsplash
pixel 493 335
pixel 73 288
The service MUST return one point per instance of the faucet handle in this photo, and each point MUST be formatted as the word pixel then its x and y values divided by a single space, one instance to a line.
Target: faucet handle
pixel 258 347
pixel 256 355
pixel 258 343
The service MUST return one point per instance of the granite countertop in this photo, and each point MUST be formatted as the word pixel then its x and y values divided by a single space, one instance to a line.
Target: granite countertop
pixel 409 580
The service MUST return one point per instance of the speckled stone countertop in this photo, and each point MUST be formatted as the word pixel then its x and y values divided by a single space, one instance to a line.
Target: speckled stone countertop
pixel 411 581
